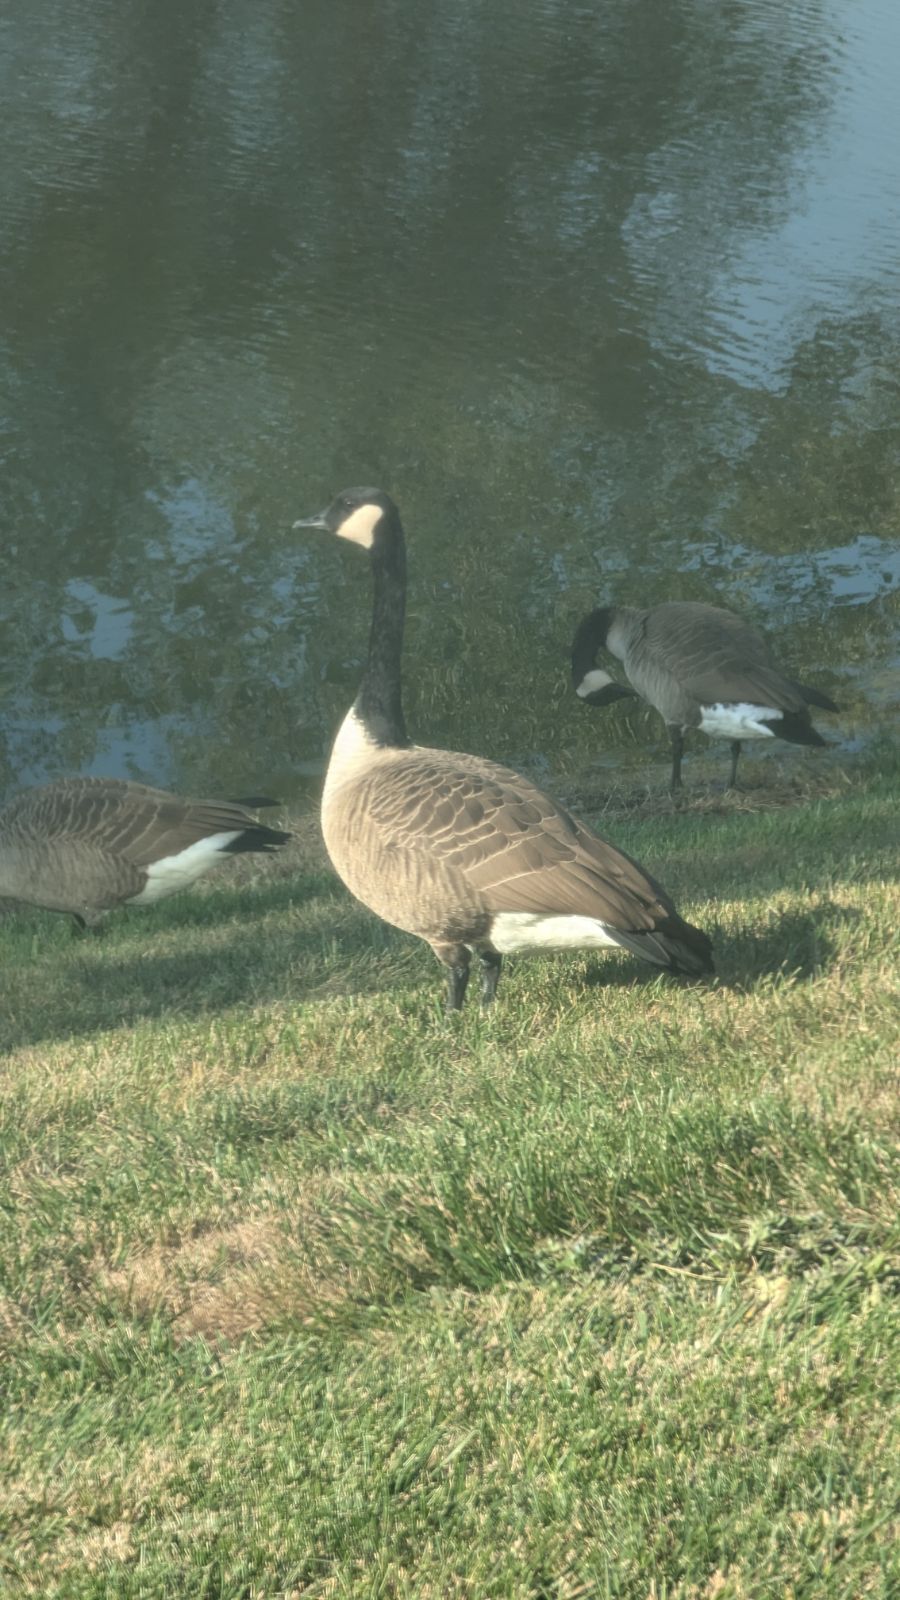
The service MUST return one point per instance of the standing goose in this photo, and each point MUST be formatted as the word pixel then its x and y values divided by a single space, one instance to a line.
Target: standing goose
pixel 471 857
pixel 701 667
pixel 84 845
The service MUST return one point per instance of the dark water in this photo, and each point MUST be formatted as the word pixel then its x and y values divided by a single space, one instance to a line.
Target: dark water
pixel 607 295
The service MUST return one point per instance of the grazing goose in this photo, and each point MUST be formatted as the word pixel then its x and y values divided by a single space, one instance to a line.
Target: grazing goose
pixel 84 845
pixel 471 857
pixel 701 667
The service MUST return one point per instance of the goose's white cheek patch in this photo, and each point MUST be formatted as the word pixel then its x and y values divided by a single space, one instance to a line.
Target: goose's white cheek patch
pixel 531 930
pixel 172 873
pixel 360 526
pixel 738 721
pixel 592 681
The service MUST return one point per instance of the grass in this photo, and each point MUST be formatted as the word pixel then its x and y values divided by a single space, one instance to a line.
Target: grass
pixel 308 1290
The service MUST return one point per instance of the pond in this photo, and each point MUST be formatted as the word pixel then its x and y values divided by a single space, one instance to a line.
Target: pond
pixel 607 296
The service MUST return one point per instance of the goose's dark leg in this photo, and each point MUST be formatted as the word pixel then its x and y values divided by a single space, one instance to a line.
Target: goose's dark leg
pixel 677 737
pixel 457 983
pixel 735 752
pixel 456 959
pixel 490 975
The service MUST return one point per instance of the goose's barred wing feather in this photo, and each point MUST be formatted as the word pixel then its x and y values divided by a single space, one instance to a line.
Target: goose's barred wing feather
pixel 714 656
pixel 121 819
pixel 513 844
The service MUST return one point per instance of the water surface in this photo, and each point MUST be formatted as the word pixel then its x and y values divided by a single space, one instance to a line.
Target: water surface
pixel 608 297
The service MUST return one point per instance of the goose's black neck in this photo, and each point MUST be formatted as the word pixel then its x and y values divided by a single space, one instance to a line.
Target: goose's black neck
pixel 590 635
pixel 379 703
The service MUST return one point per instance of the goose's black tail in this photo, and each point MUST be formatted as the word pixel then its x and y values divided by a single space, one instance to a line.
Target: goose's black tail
pixel 675 945
pixel 794 726
pixel 257 838
pixel 815 697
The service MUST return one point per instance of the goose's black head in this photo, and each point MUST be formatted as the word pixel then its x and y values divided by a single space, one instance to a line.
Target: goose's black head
pixel 367 517
pixel 591 684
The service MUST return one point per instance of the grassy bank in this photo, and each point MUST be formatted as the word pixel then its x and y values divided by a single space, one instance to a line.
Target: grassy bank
pixel 310 1291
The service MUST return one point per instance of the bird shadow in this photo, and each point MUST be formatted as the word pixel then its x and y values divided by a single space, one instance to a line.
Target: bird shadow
pixel 281 944
pixel 794 945
pixel 288 941
pixel 799 946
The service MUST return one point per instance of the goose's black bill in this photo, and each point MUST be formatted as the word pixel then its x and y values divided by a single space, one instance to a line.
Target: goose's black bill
pixel 312 522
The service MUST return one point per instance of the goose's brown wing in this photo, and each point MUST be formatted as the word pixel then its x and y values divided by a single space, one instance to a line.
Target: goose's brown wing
pixel 120 819
pixel 514 846
pixel 714 656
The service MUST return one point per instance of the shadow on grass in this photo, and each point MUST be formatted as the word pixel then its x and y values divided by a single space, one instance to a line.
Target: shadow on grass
pixel 282 943
pixel 320 944
pixel 799 945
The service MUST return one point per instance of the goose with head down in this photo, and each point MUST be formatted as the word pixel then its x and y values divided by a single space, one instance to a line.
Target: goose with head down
pixel 86 845
pixel 463 852
pixel 701 667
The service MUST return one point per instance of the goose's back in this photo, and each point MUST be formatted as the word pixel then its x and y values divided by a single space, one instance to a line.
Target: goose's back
pixel 683 655
pixel 87 843
pixel 438 843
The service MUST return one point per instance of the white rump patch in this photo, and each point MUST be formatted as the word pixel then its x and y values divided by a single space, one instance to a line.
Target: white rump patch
pixel 534 930
pixel 172 873
pixel 738 721
pixel 592 681
pixel 361 524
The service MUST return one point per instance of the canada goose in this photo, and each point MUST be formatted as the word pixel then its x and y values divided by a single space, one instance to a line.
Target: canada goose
pixel 701 667
pixel 471 857
pixel 84 845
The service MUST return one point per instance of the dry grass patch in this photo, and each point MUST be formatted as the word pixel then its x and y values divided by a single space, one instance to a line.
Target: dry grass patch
pixel 234 1279
pixel 217 1283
